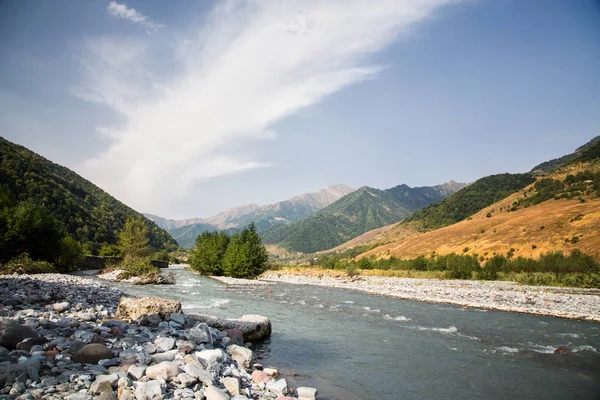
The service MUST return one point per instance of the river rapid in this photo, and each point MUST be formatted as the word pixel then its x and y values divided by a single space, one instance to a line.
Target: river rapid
pixel 353 345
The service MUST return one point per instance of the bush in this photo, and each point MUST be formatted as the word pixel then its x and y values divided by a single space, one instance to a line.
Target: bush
pixel 137 266
pixel 493 266
pixel 23 264
pixel 351 270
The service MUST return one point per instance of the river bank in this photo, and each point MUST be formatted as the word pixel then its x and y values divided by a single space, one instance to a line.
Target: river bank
pixel 63 337
pixel 571 303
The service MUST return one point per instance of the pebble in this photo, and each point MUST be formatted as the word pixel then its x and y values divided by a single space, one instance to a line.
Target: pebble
pixel 73 348
pixel 574 303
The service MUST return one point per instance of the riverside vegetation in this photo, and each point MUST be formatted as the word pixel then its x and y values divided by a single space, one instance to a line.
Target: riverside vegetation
pixel 241 255
pixel 550 269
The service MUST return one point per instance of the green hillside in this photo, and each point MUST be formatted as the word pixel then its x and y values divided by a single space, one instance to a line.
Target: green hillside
pixel 356 213
pixel 86 212
pixel 186 235
pixel 468 201
pixel 586 151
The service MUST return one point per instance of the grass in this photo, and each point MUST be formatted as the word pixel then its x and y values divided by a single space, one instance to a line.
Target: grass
pixel 403 273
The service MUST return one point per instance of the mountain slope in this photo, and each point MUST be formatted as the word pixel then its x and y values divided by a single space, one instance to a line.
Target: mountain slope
pixel 464 203
pixel 356 213
pixel 236 218
pixel 556 163
pixel 558 212
pixel 87 213
pixel 553 225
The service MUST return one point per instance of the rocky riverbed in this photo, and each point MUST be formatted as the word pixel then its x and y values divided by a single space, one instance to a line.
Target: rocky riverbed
pixel 67 337
pixel 507 296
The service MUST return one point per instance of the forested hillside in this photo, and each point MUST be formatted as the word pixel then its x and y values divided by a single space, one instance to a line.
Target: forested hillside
pixel 86 212
pixel 356 213
pixel 468 201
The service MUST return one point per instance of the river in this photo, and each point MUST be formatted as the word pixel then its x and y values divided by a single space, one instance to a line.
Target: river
pixel 352 345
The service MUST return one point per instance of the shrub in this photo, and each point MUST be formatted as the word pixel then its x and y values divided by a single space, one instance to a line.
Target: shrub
pixel 23 264
pixel 137 266
pixel 351 270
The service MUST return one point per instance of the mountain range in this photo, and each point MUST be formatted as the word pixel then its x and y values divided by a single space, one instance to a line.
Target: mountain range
pixel 358 212
pixel 554 208
pixel 185 231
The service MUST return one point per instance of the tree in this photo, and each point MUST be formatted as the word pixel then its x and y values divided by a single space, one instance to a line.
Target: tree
pixel 207 258
pixel 246 256
pixel 133 238
pixel 29 228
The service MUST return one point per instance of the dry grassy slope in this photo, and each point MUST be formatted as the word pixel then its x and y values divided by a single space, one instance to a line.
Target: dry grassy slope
pixel 385 234
pixel 521 229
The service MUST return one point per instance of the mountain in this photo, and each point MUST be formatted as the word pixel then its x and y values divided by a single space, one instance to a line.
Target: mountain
pixel 464 203
pixel 236 218
pixel 556 163
pixel 556 212
pixel 87 213
pixel 358 212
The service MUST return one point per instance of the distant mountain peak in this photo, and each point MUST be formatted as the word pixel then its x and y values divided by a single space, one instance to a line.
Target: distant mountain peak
pixel 283 212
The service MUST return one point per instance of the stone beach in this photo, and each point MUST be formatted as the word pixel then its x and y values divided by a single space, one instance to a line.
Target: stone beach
pixel 70 337
pixel 573 303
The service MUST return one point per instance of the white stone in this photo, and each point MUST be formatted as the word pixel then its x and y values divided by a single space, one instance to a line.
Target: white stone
pixel 232 385
pixel 166 369
pixel 214 393
pixel 60 307
pixel 306 393
pixel 137 371
pixel 241 355
pixel 212 356
pixel 280 387
pixel 148 391
pixel 164 343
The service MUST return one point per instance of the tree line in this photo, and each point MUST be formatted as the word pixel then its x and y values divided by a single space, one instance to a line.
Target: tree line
pixel 553 268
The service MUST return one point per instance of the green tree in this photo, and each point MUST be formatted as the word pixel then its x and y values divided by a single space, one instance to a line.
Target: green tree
pixel 70 253
pixel 246 256
pixel 207 257
pixel 133 239
pixel 29 228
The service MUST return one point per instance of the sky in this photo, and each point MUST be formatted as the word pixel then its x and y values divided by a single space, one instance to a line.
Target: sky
pixel 184 109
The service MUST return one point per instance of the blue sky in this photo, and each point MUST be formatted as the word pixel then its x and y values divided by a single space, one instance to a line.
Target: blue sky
pixel 184 109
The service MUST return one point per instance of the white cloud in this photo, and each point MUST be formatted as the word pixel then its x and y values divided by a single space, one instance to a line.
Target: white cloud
pixel 122 11
pixel 251 65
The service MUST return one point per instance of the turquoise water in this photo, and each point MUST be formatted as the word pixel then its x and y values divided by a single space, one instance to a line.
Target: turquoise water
pixel 352 345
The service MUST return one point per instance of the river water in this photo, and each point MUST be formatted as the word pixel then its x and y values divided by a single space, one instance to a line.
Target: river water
pixel 353 345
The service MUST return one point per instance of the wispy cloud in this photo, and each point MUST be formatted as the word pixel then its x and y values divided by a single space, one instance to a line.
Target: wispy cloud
pixel 251 65
pixel 122 11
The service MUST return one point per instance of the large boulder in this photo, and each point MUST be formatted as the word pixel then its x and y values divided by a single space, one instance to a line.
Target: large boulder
pixel 12 332
pixel 92 353
pixel 132 308
pixel 253 327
